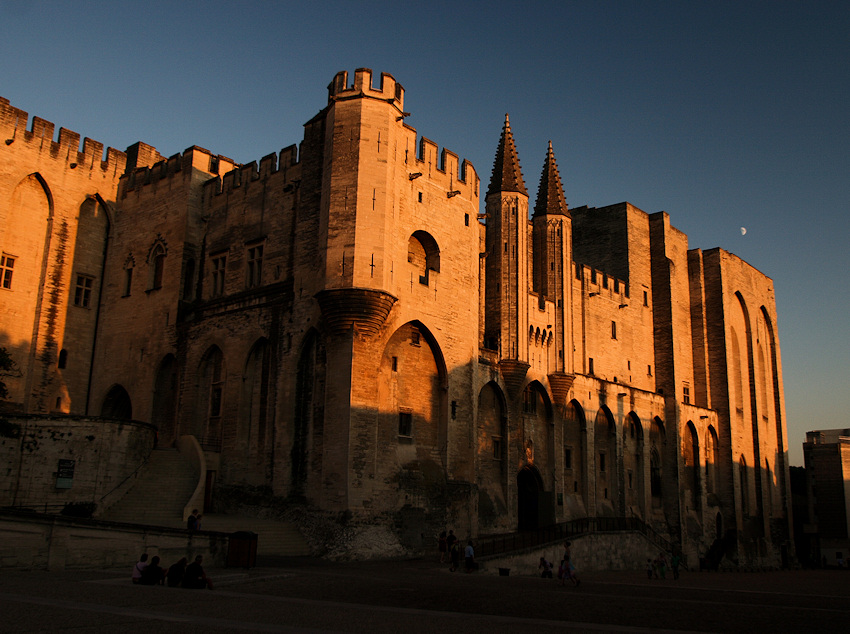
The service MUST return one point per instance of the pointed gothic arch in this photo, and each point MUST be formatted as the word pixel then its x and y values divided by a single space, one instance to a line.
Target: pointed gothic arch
pixel 492 457
pixel 255 410
pixel 308 432
pixel 633 465
pixel 606 459
pixel 211 395
pixel 117 404
pixel 575 459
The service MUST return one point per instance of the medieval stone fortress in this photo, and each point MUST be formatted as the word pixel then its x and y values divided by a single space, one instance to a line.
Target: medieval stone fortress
pixel 346 324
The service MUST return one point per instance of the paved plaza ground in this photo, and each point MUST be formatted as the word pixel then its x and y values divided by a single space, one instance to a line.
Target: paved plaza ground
pixel 304 595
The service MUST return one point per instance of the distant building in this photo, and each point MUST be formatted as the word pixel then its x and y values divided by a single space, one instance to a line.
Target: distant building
pixel 827 458
pixel 340 324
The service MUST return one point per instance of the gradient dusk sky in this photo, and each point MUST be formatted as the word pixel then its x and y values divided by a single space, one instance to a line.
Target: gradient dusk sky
pixel 727 115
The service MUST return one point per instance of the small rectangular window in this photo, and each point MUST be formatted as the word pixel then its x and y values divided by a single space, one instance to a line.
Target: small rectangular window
pixel 466 219
pixel 686 394
pixel 497 447
pixel 590 366
pixel 613 330
pixel 405 424
pixel 420 196
pixel 7 267
pixel 601 462
pixel 82 291
pixel 254 272
pixel 568 458
pixel 128 281
pixel 395 364
pixel 645 298
pixel 414 336
pixel 218 267
pixel 649 370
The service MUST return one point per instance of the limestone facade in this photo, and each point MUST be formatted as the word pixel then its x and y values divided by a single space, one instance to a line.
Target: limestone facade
pixel 342 324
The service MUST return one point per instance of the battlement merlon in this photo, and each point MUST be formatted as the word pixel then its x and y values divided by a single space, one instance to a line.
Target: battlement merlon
pixel 446 162
pixel 193 159
pixel 13 128
pixel 231 180
pixel 389 89
pixel 600 283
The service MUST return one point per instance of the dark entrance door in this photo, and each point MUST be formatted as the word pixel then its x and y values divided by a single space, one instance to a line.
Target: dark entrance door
pixel 528 487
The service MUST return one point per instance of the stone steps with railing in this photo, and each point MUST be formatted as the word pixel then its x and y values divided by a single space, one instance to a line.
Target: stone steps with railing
pixel 159 494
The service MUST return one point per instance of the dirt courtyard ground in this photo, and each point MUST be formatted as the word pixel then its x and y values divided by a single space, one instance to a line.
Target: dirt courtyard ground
pixel 303 595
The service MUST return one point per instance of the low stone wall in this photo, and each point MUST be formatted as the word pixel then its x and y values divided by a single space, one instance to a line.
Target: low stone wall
pixel 37 541
pixel 38 453
pixel 602 551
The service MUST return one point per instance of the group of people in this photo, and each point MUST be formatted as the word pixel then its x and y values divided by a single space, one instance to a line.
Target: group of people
pixel 566 569
pixel 657 568
pixel 193 522
pixel 449 545
pixel 182 574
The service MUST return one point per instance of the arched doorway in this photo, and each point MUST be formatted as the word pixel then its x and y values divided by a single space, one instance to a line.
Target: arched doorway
pixel 164 409
pixel 529 489
pixel 117 404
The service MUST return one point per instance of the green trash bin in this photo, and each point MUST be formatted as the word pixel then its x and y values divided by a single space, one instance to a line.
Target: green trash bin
pixel 242 550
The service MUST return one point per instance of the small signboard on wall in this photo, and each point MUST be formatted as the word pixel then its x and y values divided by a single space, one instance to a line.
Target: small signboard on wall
pixel 65 474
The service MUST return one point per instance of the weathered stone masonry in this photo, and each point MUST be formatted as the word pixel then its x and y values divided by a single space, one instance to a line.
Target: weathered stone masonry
pixel 339 324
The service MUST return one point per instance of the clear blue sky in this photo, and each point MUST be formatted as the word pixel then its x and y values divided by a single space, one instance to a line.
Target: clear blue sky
pixel 723 114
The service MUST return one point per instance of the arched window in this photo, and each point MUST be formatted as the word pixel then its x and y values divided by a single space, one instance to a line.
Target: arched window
pixel 424 254
pixel 156 261
pixel 655 473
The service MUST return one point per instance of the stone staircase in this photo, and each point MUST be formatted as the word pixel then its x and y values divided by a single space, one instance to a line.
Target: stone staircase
pixel 159 494
pixel 273 538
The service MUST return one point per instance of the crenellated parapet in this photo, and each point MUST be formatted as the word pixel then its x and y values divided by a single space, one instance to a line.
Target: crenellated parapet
pixel 389 90
pixel 271 166
pixel 39 137
pixel 444 167
pixel 601 284
pixel 179 166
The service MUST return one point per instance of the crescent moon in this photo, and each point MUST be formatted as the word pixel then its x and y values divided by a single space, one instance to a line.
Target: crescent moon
pixel 743 231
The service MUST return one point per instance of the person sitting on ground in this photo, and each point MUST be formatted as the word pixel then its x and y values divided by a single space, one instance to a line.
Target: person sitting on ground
pixel 153 574
pixel 195 577
pixel 175 573
pixel 546 567
pixel 139 568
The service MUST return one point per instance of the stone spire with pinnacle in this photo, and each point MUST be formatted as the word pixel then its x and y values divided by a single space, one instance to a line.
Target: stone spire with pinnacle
pixel 507 175
pixel 550 194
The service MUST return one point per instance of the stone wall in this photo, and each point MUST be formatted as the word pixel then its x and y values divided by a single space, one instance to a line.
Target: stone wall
pixel 104 454
pixel 604 551
pixel 34 541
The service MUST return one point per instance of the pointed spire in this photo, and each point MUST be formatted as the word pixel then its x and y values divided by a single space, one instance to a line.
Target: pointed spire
pixel 507 175
pixel 550 194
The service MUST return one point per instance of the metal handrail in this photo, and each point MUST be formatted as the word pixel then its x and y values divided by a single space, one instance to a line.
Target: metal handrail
pixel 523 540
pixel 120 484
